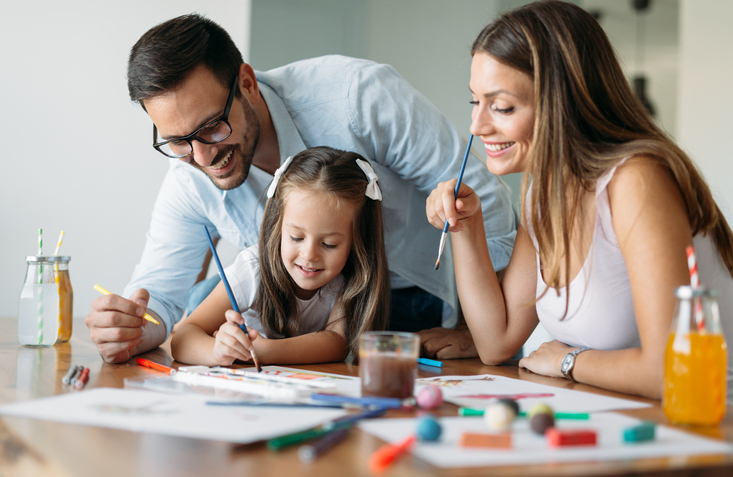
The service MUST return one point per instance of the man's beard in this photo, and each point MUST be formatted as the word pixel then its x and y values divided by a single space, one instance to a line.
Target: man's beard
pixel 242 152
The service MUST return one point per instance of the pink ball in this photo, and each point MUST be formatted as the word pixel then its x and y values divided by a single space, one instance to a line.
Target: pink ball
pixel 430 397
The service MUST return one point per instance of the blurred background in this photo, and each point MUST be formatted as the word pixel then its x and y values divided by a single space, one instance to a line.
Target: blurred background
pixel 77 152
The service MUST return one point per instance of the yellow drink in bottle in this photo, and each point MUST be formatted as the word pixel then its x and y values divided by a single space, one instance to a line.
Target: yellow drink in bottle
pixel 695 378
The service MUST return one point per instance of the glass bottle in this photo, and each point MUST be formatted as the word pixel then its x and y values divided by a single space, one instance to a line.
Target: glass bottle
pixel 38 306
pixel 66 296
pixel 695 360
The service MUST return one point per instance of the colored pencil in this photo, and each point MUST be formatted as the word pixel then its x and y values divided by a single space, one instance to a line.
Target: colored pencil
pixel 105 292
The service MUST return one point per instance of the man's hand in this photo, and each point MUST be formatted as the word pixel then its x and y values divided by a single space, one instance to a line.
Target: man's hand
pixel 116 325
pixel 445 343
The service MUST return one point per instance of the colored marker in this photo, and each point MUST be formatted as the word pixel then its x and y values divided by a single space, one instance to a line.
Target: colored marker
pixel 81 381
pixel 578 416
pixel 430 362
pixel 316 432
pixel 310 452
pixel 159 367
pixel 105 292
pixel 70 374
pixel 385 455
pixel 388 403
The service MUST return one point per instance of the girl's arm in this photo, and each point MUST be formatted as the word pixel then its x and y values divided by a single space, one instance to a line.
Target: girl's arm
pixel 193 342
pixel 324 346
pixel 651 224
pixel 501 316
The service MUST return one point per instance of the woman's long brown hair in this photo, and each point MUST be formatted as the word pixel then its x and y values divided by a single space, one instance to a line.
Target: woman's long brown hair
pixel 587 119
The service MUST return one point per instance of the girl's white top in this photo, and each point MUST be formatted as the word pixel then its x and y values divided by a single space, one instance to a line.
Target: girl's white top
pixel 244 278
pixel 601 310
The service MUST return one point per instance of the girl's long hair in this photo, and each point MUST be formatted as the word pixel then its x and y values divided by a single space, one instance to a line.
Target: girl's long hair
pixel 587 119
pixel 365 293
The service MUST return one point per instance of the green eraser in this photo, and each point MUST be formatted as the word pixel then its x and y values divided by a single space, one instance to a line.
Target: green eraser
pixel 640 433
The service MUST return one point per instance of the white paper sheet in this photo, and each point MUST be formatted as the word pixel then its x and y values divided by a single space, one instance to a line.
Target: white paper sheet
pixel 477 391
pixel 168 414
pixel 530 448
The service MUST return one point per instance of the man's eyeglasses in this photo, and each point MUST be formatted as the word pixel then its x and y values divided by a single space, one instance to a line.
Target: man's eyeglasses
pixel 210 133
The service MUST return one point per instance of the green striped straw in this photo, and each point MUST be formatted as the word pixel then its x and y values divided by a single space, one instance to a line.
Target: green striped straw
pixel 40 289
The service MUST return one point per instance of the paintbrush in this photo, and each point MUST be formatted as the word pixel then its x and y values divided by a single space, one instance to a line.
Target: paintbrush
pixel 455 195
pixel 229 292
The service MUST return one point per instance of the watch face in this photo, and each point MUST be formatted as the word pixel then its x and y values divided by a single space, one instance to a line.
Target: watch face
pixel 567 361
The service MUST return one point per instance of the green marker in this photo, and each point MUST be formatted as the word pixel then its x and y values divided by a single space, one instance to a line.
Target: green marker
pixel 578 416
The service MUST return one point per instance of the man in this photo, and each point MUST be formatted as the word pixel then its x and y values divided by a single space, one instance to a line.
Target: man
pixel 228 128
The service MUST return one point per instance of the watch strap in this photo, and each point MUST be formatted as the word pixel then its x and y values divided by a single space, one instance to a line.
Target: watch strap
pixel 568 373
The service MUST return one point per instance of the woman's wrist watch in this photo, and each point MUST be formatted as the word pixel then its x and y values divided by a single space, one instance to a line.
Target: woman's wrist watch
pixel 568 362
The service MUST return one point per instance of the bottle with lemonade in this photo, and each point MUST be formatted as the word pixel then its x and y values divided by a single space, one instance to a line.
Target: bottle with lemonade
pixel 695 360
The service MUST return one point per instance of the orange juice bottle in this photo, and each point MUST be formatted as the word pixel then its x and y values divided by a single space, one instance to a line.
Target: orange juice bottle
pixel 66 296
pixel 695 361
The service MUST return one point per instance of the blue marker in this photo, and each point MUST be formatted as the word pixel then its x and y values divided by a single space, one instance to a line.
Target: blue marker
pixel 430 362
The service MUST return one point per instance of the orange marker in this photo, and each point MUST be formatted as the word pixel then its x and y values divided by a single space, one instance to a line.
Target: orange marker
pixel 159 367
pixel 386 454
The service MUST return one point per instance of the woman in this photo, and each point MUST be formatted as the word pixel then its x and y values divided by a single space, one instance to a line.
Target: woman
pixel 610 204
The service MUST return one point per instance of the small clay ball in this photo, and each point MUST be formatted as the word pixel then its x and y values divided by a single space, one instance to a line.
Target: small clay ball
pixel 428 428
pixel 430 397
pixel 499 416
pixel 511 403
pixel 542 421
pixel 540 408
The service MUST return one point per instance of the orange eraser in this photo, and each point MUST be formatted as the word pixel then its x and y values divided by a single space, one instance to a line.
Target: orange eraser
pixel 579 437
pixel 496 441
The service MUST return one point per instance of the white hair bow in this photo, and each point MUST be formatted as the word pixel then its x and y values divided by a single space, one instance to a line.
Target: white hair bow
pixel 372 190
pixel 278 175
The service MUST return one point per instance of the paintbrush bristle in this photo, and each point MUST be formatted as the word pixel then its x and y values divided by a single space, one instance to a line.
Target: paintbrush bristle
pixel 440 250
pixel 257 363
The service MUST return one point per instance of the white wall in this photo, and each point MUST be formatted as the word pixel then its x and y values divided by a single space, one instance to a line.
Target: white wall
pixel 76 151
pixel 706 93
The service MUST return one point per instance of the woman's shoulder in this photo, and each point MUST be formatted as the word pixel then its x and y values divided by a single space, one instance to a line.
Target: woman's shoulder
pixel 637 178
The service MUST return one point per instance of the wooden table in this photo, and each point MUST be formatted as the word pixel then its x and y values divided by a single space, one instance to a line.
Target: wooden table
pixel 33 447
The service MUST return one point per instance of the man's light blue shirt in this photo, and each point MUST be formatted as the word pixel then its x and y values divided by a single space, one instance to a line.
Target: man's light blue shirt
pixel 345 103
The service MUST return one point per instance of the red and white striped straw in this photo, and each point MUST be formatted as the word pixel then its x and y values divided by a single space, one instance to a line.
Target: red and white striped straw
pixel 692 265
pixel 695 283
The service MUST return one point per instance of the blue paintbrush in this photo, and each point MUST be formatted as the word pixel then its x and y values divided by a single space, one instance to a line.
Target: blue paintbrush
pixel 455 195
pixel 229 291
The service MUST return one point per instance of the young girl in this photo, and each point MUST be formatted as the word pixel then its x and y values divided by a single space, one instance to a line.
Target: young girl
pixel 317 279
pixel 611 205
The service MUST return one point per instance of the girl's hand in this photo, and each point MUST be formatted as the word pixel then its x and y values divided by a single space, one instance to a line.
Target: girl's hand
pixel 231 343
pixel 546 359
pixel 442 205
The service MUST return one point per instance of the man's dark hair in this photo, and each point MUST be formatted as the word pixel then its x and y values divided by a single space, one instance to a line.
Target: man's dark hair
pixel 166 54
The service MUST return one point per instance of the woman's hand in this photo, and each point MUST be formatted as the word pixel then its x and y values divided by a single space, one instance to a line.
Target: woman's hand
pixel 442 205
pixel 546 359
pixel 231 343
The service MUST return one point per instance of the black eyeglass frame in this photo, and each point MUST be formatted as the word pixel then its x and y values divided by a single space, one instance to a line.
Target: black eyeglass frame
pixel 194 135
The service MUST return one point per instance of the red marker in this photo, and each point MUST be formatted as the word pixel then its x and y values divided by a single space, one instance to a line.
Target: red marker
pixel 159 367
pixel 81 381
